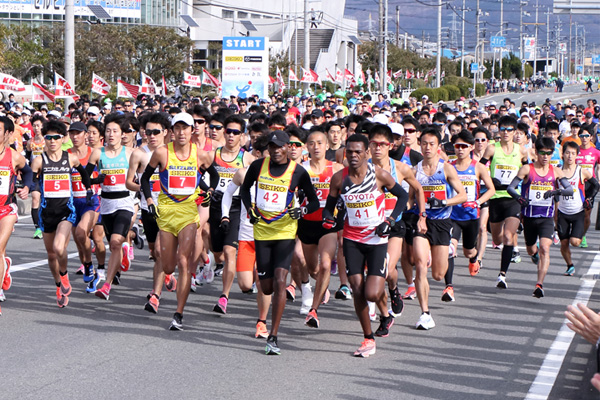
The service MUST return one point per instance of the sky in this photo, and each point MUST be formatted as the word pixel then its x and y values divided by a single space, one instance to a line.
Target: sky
pixel 418 17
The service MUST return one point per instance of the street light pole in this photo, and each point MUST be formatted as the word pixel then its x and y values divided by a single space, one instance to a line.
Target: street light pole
pixel 501 33
pixel 438 59
pixel 69 45
pixel 462 44
pixel 477 37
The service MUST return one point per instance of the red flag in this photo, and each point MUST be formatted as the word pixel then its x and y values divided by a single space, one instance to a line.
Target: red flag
pixel 339 77
pixel 208 79
pixel 164 86
pixel 127 90
pixel 271 80
pixel 41 95
pixel 309 76
pixel 192 80
pixel 148 86
pixel 10 83
pixel 280 81
pixel 388 78
pixel 377 77
pixel 99 85
pixel 328 76
pixel 293 76
pixel 315 77
pixel 62 88
pixel 398 74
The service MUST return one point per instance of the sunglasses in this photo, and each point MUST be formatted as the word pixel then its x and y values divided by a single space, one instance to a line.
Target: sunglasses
pixel 507 129
pixel 199 121
pixel 53 137
pixel 131 130
pixel 378 144
pixel 216 127
pixel 408 130
pixel 461 146
pixel 585 135
pixel 153 132
pixel 480 140
pixel 233 131
pixel 545 153
pixel 295 144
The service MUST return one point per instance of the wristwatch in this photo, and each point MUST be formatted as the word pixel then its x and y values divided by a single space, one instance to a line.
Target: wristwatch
pixel 423 214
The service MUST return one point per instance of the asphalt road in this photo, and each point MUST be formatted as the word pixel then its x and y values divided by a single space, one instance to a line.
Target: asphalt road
pixel 489 344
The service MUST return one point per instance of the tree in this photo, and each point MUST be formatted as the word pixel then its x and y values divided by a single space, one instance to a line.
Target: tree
pixel 22 52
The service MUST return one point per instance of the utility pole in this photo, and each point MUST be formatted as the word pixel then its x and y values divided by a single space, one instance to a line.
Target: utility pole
pixel 501 33
pixel 382 74
pixel 306 85
pixel 536 39
pixel 462 42
pixel 438 59
pixel 422 44
pixel 548 42
pixel 521 49
pixel 570 42
pixel 69 46
pixel 477 11
pixel 398 26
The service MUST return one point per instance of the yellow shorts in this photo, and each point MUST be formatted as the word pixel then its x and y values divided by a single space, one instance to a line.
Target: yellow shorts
pixel 174 218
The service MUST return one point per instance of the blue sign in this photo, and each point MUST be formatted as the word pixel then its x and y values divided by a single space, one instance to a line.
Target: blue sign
pixel 243 43
pixel 497 41
pixel 596 59
pixel 474 67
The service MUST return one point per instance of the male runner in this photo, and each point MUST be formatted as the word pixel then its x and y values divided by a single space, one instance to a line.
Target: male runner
pixel 541 182
pixel 275 218
pixel 36 147
pixel 361 187
pixel 589 159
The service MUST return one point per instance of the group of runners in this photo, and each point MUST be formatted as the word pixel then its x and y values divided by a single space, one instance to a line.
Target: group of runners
pixel 280 197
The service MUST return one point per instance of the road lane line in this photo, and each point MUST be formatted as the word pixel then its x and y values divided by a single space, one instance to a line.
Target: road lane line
pixel 546 376
pixel 33 264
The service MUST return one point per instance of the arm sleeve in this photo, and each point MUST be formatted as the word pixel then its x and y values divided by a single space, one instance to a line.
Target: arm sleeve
pixel 227 199
pixel 214 176
pixel 512 188
pixel 251 176
pixel 85 177
pixel 145 182
pixel 483 160
pixel 306 185
pixel 27 174
pixel 402 196
pixel 89 168
pixel 567 189
pixel 592 188
pixel 330 204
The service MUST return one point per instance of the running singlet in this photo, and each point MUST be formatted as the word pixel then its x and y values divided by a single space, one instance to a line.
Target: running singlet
pixel 115 195
pixel 534 190
pixel 556 159
pixel 365 206
pixel 227 169
pixel 436 186
pixel 321 183
pixel 505 167
pixel 390 199
pixel 36 148
pixel 154 180
pixel 246 232
pixel 469 180
pixel 56 181
pixel 573 204
pixel 588 158
pixel 406 160
pixel 7 178
pixel 273 198
pixel 79 190
pixel 179 178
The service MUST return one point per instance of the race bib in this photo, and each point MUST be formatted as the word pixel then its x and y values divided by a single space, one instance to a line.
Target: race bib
pixel 437 191
pixel 390 203
pixel 182 182
pixel 155 183
pixel 57 186
pixel 505 173
pixel 536 195
pixel 322 189
pixel 4 181
pixel 79 189
pixel 363 213
pixel 114 180
pixel 470 188
pixel 271 198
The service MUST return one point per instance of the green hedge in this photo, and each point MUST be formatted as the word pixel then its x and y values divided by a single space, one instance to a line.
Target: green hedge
pixel 454 92
pixel 431 93
pixel 480 89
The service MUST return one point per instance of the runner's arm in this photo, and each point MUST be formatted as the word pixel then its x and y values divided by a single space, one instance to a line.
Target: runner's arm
pixel 592 188
pixel 85 177
pixel 214 178
pixel 249 179
pixel 487 179
pixel 134 164
pixel 332 198
pixel 454 181
pixel 307 187
pixel 228 198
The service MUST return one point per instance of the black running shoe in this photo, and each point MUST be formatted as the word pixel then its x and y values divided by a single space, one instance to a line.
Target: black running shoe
pixel 177 323
pixel 397 303
pixel 384 326
pixel 218 269
pixel 117 279
pixel 538 292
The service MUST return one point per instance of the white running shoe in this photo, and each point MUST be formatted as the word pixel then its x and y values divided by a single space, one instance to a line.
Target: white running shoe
pixel 208 275
pixel 372 311
pixel 101 275
pixel 307 298
pixel 2 296
pixel 193 286
pixel 425 322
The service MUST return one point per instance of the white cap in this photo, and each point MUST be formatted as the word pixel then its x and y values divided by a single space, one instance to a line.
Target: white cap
pixel 54 113
pixel 571 112
pixel 93 110
pixel 380 119
pixel 425 97
pixel 27 112
pixel 397 128
pixel 183 117
pixel 107 107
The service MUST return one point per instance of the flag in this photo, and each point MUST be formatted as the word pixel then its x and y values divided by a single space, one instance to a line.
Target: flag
pixel 148 86
pixel 10 83
pixel 398 74
pixel 208 79
pixel 409 74
pixel 443 74
pixel 377 77
pixel 271 80
pixel 328 76
pixel 164 86
pixel 62 88
pixel 99 85
pixel 315 77
pixel 280 81
pixel 191 80
pixel 339 77
pixel 41 95
pixel 348 75
pixel 293 76
pixel 388 78
pixel 309 76
pixel 126 90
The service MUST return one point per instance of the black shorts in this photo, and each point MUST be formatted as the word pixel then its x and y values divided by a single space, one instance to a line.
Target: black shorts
pixel 358 254
pixel 218 239
pixel 51 217
pixel 310 232
pixel 410 226
pixel 117 223
pixel 570 226
pixel 503 208
pixel 399 230
pixel 470 229
pixel 439 232
pixel 534 228
pixel 150 227
pixel 273 254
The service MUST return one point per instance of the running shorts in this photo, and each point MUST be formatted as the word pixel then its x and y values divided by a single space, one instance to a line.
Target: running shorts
pixel 503 208
pixel 117 223
pixel 570 226
pixel 373 255
pixel 310 232
pixel 150 226
pixel 439 232
pixel 470 229
pixel 410 225
pixel 246 256
pixel 534 228
pixel 50 218
pixel 9 209
pixel 399 230
pixel 219 239
pixel 81 207
pixel 173 218
pixel 273 254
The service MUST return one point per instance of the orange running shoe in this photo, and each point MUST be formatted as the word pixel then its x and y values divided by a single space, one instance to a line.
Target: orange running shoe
pixel 65 285
pixel 474 267
pixel 170 283
pixel 61 299
pixel 366 349
pixel 152 304
pixel 261 330
pixel 311 319
pixel 103 292
pixel 7 281
pixel 448 294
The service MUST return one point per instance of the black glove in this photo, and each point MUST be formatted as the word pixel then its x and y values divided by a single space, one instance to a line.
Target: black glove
pixel 588 204
pixel 206 197
pixel 434 202
pixel 295 213
pixel 153 211
pixel 224 225
pixel 524 202
pixel 98 180
pixel 253 216
pixel 88 198
pixel 385 228
pixel 551 193
pixel 328 223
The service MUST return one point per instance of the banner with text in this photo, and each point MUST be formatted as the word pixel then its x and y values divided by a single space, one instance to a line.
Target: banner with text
pixel 245 66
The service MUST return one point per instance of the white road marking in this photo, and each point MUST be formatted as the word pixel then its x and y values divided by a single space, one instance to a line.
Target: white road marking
pixel 33 264
pixel 546 376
